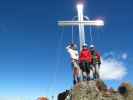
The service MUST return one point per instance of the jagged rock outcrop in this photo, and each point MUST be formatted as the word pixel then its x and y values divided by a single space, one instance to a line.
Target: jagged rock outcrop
pixel 97 90
pixel 63 95
pixel 126 90
pixel 93 90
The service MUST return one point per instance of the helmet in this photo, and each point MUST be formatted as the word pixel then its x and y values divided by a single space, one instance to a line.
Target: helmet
pixel 85 45
pixel 92 47
pixel 73 46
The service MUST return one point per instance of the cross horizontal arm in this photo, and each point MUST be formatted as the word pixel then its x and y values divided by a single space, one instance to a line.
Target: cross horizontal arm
pixel 85 23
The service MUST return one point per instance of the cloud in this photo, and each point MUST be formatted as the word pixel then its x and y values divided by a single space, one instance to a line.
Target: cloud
pixel 124 56
pixel 112 69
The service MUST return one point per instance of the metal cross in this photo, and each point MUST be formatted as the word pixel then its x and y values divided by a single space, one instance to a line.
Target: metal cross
pixel 81 23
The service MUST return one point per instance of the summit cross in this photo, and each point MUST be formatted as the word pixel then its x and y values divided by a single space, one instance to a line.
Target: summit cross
pixel 81 23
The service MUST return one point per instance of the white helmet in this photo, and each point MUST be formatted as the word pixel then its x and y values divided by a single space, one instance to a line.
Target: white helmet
pixel 92 46
pixel 85 45
pixel 75 46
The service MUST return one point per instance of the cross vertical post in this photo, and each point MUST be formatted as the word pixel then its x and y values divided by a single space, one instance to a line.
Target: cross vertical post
pixel 81 25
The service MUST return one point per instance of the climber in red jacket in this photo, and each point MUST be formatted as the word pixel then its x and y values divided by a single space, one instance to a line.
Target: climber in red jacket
pixel 96 62
pixel 85 60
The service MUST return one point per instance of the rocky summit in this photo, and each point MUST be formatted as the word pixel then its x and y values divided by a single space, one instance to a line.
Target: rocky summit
pixel 97 90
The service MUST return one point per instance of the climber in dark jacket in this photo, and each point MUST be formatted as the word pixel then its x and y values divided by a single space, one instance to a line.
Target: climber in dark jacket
pixel 85 61
pixel 96 62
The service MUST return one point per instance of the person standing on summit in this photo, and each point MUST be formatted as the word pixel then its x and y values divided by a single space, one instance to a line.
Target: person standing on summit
pixel 72 50
pixel 85 61
pixel 96 62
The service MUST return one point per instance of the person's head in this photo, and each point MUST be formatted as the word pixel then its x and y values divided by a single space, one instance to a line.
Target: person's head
pixel 92 47
pixel 85 46
pixel 74 46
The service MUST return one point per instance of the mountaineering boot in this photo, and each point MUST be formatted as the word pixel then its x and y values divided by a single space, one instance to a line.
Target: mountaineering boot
pixel 94 76
pixel 74 82
pixel 97 76
pixel 88 78
pixel 78 79
pixel 84 78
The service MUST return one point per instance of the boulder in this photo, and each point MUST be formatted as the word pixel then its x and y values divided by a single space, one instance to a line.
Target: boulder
pixel 126 90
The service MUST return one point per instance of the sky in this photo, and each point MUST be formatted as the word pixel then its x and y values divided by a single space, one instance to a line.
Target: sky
pixel 33 58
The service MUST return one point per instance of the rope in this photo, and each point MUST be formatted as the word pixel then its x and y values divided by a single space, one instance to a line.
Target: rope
pixel 90 31
pixel 91 37
pixel 72 34
pixel 73 30
pixel 56 67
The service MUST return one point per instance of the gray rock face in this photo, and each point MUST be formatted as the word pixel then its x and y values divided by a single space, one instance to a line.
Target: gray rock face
pixel 83 91
pixel 96 90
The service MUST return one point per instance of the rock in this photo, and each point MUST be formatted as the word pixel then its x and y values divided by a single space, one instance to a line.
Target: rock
pixel 126 90
pixel 101 86
pixel 97 90
pixel 63 95
pixel 42 98
pixel 94 90
pixel 83 91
